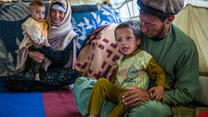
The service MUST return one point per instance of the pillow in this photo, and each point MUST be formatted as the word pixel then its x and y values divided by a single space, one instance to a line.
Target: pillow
pixel 86 22
pixel 99 54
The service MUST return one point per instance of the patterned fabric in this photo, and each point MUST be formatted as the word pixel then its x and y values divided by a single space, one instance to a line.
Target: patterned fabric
pixel 86 22
pixel 132 70
pixel 98 55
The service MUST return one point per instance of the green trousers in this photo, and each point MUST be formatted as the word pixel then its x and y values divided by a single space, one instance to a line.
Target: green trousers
pixel 83 87
pixel 104 89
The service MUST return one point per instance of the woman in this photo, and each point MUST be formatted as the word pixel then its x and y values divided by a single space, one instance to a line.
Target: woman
pixel 62 54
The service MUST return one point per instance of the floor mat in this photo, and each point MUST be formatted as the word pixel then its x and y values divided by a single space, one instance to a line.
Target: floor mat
pixel 60 104
pixel 20 104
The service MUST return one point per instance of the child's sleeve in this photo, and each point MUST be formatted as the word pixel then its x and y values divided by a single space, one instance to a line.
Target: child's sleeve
pixel 156 73
pixel 33 31
pixel 113 77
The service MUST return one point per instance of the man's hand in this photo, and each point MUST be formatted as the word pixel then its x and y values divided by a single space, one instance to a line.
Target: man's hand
pixel 36 56
pixel 134 97
pixel 157 93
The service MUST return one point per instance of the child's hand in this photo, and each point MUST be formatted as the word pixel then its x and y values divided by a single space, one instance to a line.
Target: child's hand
pixel 47 44
pixel 110 73
pixel 157 93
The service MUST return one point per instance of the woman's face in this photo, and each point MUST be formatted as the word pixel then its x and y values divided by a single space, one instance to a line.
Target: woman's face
pixel 57 16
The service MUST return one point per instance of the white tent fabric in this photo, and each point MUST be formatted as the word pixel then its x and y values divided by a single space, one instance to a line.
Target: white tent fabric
pixel 87 2
pixel 193 20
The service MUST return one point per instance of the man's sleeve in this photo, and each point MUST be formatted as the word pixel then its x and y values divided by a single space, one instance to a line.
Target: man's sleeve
pixel 186 75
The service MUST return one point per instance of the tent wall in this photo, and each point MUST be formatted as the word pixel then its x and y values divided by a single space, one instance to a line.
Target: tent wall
pixel 193 20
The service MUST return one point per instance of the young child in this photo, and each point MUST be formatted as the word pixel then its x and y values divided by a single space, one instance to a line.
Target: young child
pixel 35 31
pixel 134 70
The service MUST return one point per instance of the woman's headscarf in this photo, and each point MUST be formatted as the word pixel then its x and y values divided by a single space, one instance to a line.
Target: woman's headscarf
pixel 61 34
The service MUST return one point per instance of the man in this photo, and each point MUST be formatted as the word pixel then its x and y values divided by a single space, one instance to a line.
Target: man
pixel 175 52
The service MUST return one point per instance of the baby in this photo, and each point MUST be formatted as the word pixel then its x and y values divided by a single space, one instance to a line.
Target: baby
pixel 35 31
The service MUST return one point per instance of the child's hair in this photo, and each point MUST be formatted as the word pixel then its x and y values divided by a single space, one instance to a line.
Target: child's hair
pixel 129 24
pixel 36 2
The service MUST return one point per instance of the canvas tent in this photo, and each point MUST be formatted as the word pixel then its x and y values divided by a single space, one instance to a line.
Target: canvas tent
pixel 193 20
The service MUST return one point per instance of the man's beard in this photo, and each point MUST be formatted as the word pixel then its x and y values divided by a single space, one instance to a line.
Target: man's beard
pixel 158 35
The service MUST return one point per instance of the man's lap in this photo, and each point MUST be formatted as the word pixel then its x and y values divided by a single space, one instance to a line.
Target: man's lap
pixel 83 87
pixel 147 109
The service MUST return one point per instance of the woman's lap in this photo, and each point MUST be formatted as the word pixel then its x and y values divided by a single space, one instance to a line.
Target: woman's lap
pixel 51 80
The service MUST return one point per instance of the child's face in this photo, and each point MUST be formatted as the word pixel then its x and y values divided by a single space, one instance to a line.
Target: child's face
pixel 37 12
pixel 126 40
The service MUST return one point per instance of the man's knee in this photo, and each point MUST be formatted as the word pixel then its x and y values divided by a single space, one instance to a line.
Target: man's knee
pixel 150 109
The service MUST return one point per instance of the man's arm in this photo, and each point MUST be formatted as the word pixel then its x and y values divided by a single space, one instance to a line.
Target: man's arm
pixel 186 75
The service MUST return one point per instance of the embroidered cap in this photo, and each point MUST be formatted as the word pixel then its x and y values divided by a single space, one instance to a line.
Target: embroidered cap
pixel 161 7
pixel 58 7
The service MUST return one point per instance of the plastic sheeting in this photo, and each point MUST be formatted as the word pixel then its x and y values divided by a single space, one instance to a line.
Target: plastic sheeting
pixel 87 2
pixel 193 20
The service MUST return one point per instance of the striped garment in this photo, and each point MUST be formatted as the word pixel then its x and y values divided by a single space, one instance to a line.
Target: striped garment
pixel 14 11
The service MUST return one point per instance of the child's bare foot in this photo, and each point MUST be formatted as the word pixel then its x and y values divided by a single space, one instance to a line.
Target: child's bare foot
pixel 37 77
pixel 91 115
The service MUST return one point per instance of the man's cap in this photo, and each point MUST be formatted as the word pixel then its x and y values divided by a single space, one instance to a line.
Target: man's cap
pixel 161 7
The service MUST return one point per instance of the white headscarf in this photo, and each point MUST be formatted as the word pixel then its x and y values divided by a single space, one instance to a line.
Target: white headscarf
pixel 63 30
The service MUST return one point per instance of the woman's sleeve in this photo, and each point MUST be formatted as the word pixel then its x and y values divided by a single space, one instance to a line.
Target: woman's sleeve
pixel 60 57
pixel 156 73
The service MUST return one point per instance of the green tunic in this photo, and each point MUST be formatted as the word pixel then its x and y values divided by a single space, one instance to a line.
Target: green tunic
pixel 177 55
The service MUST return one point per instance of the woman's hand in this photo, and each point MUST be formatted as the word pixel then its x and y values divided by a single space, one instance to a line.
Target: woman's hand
pixel 135 96
pixel 36 56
